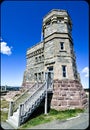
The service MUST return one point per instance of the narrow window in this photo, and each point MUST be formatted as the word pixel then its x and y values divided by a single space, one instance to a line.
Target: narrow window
pixel 42 57
pixel 39 76
pixel 62 45
pixel 35 76
pixel 64 71
pixel 60 19
pixel 48 22
pixel 39 58
pixel 36 59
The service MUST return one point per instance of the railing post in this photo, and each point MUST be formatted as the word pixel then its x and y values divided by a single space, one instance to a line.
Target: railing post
pixel 19 116
pixel 46 93
pixel 52 76
pixel 10 113
pixel 22 112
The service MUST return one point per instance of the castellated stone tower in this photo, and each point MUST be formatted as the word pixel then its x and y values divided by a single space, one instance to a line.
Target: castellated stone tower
pixel 56 54
pixel 58 45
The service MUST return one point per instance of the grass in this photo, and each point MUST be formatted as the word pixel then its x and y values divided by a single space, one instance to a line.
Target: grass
pixel 4 114
pixel 4 104
pixel 36 121
pixel 52 115
pixel 65 114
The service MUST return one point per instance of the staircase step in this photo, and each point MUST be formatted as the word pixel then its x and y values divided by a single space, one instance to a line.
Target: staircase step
pixel 14 118
pixel 16 113
pixel 29 105
pixel 13 122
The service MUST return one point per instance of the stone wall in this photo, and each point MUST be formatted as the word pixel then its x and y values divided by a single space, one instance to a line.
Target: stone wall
pixel 68 94
pixel 49 50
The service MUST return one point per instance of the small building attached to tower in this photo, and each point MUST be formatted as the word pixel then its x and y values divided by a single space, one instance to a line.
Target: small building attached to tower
pixel 56 54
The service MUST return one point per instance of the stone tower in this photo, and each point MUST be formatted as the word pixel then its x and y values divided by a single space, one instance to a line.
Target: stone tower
pixel 58 45
pixel 56 53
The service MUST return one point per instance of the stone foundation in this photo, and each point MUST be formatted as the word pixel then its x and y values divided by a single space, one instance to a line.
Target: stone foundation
pixel 68 94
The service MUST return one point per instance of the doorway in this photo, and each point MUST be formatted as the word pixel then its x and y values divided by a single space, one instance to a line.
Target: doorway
pixel 49 77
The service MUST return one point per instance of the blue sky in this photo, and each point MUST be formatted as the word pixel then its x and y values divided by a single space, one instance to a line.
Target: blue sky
pixel 21 26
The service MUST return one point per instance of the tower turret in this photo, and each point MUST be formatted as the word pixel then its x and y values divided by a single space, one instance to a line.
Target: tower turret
pixel 58 44
pixel 56 21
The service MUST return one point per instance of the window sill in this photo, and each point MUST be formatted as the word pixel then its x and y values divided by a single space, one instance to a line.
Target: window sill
pixel 62 51
pixel 39 62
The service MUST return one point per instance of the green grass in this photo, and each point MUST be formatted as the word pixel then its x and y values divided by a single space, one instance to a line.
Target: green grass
pixel 4 104
pixel 4 114
pixel 35 121
pixel 52 115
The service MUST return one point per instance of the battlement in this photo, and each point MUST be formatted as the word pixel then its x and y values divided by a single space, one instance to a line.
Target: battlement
pixel 57 12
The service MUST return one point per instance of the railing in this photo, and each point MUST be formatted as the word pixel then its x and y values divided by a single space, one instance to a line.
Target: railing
pixel 27 104
pixel 22 98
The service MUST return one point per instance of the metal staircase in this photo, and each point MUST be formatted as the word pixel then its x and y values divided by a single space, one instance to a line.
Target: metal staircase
pixel 26 108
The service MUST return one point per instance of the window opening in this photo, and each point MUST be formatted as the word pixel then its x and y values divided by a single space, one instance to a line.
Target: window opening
pixel 48 22
pixel 39 76
pixel 62 45
pixel 64 71
pixel 39 58
pixel 36 59
pixel 35 76
pixel 50 68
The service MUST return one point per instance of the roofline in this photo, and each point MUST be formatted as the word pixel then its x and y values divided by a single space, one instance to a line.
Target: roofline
pixel 59 10
pixel 34 45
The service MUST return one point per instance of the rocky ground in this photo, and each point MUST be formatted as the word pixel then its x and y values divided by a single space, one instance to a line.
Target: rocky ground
pixel 12 95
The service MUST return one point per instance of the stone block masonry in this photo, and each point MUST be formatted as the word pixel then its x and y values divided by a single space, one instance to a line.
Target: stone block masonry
pixel 55 53
pixel 68 94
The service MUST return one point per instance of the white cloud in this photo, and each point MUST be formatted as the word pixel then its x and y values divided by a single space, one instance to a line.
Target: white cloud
pixel 86 71
pixel 5 49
